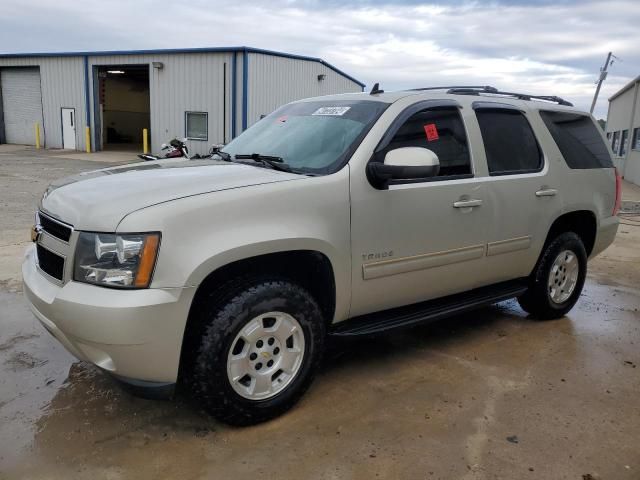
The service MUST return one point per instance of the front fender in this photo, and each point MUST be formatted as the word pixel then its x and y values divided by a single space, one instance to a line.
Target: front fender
pixel 202 233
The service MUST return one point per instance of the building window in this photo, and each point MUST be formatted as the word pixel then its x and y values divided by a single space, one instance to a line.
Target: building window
pixel 509 143
pixel 635 144
pixel 197 126
pixel 615 142
pixel 623 143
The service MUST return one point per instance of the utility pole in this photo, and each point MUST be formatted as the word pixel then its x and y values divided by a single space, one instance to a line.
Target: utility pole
pixel 603 75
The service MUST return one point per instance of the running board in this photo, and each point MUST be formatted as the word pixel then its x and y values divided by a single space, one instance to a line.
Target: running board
pixel 429 311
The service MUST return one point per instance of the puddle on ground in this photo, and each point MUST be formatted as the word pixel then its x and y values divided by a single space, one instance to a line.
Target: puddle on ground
pixel 66 419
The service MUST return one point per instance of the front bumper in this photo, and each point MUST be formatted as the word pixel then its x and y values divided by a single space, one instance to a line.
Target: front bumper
pixel 135 334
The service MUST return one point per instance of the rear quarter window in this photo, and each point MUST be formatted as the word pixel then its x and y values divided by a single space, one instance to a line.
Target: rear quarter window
pixel 578 139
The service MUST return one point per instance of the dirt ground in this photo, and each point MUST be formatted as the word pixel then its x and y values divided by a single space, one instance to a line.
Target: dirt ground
pixel 486 395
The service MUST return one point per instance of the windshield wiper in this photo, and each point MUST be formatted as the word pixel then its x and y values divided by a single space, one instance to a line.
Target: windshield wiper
pixel 223 155
pixel 277 163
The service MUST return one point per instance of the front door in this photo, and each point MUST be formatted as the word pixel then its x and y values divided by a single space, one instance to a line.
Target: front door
pixel 69 128
pixel 420 240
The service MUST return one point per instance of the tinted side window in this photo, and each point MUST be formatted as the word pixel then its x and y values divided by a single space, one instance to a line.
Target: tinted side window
pixel 509 142
pixel 440 130
pixel 578 139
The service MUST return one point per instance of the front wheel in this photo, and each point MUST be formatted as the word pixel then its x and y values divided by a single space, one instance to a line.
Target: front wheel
pixel 557 281
pixel 259 352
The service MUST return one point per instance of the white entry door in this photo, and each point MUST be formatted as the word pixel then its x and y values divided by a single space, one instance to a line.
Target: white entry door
pixel 69 128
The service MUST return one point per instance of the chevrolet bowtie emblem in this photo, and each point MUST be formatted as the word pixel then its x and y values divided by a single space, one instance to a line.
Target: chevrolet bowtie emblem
pixel 36 230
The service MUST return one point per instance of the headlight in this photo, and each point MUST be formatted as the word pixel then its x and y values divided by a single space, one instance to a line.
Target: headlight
pixel 125 261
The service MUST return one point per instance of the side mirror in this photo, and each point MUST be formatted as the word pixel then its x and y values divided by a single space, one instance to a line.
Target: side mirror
pixel 406 163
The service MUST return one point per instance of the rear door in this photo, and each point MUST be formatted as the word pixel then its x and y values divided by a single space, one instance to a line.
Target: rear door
pixel 523 194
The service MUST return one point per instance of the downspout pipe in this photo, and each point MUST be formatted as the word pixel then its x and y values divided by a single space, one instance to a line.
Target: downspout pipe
pixel 245 88
pixel 87 99
pixel 630 135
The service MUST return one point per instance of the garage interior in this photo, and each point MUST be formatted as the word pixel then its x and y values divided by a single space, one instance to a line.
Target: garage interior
pixel 124 106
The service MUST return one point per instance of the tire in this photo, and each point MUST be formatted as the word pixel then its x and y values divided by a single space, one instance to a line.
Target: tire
pixel 556 282
pixel 234 325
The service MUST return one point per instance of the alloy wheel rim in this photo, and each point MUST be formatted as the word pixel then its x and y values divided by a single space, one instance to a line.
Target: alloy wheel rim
pixel 563 276
pixel 266 355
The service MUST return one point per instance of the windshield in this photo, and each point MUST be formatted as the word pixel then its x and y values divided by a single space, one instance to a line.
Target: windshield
pixel 311 137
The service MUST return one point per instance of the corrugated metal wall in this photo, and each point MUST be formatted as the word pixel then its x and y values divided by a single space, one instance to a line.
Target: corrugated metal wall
pixel 274 81
pixel 187 82
pixel 62 80
pixel 620 112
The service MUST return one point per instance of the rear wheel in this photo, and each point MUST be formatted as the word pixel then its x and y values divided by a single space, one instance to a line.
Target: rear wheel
pixel 557 281
pixel 259 352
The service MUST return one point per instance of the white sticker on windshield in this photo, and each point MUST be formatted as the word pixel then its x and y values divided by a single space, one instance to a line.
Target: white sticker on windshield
pixel 335 111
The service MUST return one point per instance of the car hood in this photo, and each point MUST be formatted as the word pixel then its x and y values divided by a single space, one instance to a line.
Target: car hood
pixel 98 200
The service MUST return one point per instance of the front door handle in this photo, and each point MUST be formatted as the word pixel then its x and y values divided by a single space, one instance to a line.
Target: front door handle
pixel 548 192
pixel 473 202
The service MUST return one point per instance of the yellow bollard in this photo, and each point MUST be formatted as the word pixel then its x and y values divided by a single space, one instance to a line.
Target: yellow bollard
pixel 87 138
pixel 145 140
pixel 38 136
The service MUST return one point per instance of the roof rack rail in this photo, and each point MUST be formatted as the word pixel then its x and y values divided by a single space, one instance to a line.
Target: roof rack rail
pixel 477 90
pixel 484 87
pixel 519 96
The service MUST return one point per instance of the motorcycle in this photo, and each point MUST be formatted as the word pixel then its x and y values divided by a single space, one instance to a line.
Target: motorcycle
pixel 176 148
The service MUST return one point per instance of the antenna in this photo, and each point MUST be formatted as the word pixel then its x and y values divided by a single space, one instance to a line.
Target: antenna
pixel 376 89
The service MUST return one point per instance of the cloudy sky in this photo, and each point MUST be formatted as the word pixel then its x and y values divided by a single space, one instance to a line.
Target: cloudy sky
pixel 543 47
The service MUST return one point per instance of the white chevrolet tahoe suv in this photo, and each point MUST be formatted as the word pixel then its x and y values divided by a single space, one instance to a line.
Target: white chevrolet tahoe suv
pixel 340 215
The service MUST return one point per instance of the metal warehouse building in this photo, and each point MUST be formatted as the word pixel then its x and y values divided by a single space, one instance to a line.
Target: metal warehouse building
pixel 623 130
pixel 208 95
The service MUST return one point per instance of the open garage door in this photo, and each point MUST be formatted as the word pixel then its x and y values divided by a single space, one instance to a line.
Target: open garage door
pixel 124 105
pixel 21 104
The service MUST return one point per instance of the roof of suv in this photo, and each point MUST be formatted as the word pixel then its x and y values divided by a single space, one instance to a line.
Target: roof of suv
pixel 543 103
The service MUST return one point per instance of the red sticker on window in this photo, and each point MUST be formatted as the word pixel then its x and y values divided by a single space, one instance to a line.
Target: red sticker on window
pixel 431 131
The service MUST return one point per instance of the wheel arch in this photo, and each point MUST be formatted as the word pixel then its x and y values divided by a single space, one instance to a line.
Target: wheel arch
pixel 582 222
pixel 311 269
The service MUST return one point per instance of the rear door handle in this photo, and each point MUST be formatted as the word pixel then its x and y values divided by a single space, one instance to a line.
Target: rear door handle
pixel 473 202
pixel 549 192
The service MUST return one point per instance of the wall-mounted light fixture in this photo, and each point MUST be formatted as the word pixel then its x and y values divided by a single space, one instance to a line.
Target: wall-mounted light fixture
pixel 321 77
pixel 158 65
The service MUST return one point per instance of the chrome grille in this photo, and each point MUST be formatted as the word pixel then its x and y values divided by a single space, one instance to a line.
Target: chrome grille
pixel 55 241
pixel 50 263
pixel 55 228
